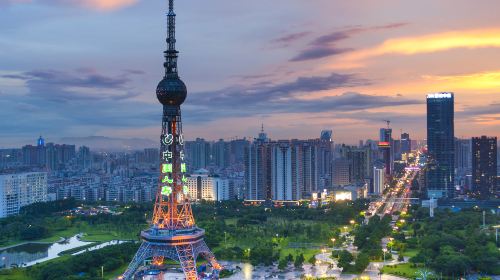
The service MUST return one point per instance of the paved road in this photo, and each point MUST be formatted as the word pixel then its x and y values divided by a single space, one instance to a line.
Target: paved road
pixel 372 271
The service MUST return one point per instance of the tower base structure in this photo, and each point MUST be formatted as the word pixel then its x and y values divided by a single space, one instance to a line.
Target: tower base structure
pixel 183 246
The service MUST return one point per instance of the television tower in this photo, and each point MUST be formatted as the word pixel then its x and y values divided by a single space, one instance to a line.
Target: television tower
pixel 173 233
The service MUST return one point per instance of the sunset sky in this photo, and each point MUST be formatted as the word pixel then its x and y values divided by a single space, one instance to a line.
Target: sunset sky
pixel 75 68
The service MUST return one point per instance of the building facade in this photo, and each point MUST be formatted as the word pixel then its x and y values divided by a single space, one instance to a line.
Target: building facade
pixel 21 189
pixel 378 178
pixel 203 187
pixel 341 172
pixel 258 169
pixel 198 154
pixel 484 166
pixel 440 145
pixel 463 163
pixel 386 147
pixel 405 143
pixel 286 172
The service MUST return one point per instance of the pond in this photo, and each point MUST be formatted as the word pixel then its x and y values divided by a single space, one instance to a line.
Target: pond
pixel 29 254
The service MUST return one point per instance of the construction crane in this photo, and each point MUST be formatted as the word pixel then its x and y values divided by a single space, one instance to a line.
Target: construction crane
pixel 388 123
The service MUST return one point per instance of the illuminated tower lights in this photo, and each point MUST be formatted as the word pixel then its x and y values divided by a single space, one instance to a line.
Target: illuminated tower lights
pixel 173 234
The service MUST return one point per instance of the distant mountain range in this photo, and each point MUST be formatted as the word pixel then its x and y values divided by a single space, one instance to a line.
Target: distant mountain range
pixel 102 143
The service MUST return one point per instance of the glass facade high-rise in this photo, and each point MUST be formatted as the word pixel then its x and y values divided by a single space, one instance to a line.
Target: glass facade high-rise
pixel 484 166
pixel 405 143
pixel 440 144
pixel 386 146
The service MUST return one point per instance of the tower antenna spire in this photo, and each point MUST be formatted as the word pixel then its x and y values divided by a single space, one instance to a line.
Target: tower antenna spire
pixel 171 53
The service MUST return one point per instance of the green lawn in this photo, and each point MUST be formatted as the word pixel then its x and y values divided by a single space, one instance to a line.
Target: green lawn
pixel 231 221
pixel 21 274
pixel 111 275
pixel 410 253
pixel 404 270
pixel 308 253
pixel 13 274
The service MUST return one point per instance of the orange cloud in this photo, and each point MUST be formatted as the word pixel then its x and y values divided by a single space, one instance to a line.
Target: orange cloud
pixel 102 5
pixel 106 4
pixel 484 80
pixel 470 39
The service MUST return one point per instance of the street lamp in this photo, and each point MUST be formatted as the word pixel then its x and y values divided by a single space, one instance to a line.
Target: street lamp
pixel 384 250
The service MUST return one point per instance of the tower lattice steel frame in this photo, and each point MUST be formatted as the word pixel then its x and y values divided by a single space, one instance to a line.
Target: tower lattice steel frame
pixel 173 234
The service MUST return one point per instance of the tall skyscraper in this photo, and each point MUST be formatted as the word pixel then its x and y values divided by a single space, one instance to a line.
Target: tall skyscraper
pixel 237 151
pixel 378 178
pixel 286 171
pixel 463 163
pixel 151 155
pixel 197 154
pixel 341 172
pixel 360 162
pixel 440 145
pixel 325 158
pixel 484 166
pixel 173 234
pixel 220 153
pixel 405 143
pixel 85 157
pixel 386 147
pixel 308 162
pixel 21 189
pixel 258 169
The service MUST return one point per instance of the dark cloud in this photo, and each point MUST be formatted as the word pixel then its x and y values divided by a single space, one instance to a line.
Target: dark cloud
pixel 79 117
pixel 324 46
pixel 78 102
pixel 351 101
pixel 263 99
pixel 46 108
pixel 261 93
pixel 318 52
pixel 335 36
pixel 472 111
pixel 82 84
pixel 286 40
pixel 348 105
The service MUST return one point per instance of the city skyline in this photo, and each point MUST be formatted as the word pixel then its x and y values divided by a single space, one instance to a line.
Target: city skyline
pixel 333 65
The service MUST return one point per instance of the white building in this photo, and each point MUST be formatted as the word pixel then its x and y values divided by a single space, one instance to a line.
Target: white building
pixel 287 172
pixel 203 187
pixel 18 190
pixel 378 179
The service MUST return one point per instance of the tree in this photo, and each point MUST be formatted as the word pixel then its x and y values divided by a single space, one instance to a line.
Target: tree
pixel 282 264
pixel 454 264
pixel 345 259
pixel 312 260
pixel 362 262
pixel 299 261
pixel 33 232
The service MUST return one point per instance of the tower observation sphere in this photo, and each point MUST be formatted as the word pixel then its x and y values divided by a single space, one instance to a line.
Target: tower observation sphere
pixel 171 91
